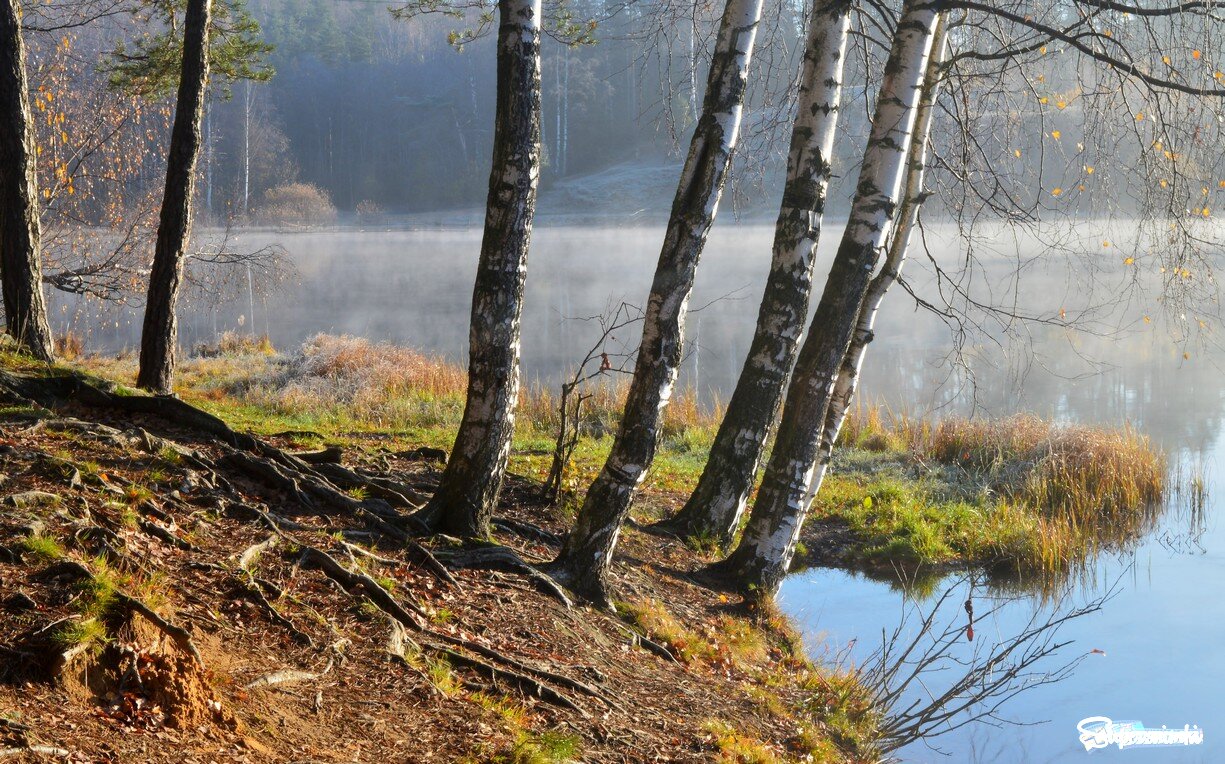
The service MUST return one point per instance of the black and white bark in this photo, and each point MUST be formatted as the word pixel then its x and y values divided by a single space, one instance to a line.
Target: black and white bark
pixel 587 554
pixel 25 312
pixel 764 553
pixel 159 335
pixel 913 196
pixel 717 504
pixel 468 492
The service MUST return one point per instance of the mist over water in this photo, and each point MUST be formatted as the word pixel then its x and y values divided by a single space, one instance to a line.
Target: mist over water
pixel 414 288
pixel 1159 634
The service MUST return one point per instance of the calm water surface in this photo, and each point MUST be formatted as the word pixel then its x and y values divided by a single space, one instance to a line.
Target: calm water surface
pixel 1161 633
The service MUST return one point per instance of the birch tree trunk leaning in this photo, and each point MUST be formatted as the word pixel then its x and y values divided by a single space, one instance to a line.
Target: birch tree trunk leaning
pixel 587 553
pixel 761 559
pixel 468 492
pixel 159 335
pixel 25 312
pixel 913 197
pixel 717 503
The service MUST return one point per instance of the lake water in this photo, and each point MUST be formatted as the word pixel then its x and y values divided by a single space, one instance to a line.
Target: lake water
pixel 1159 634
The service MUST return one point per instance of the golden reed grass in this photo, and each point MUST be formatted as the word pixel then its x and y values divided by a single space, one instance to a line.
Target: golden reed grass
pixel 1083 486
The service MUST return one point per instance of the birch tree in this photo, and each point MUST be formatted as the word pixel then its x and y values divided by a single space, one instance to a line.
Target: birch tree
pixel 768 544
pixel 25 312
pixel 913 196
pixel 159 335
pixel 714 509
pixel 468 492
pixel 587 553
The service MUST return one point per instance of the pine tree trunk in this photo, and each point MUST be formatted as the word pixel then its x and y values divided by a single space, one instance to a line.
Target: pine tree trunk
pixel 913 196
pixel 587 553
pixel 468 492
pixel 25 312
pixel 717 503
pixel 159 336
pixel 761 559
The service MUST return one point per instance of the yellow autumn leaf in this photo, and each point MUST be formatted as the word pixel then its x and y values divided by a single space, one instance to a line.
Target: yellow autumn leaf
pixel 1140 116
pixel 1196 54
pixel 1063 313
pixel 1061 105
pixel 1042 50
pixel 1129 261
pixel 1041 78
pixel 1017 154
pixel 1164 182
pixel 1148 320
pixel 1081 187
pixel 1165 60
pixel 1204 190
pixel 1056 191
pixel 1108 33
pixel 1055 134
pixel 867 502
pixel 1043 99
pixel 1220 184
pixel 1089 169
pixel 1186 356
pixel 1205 212
pixel 1105 243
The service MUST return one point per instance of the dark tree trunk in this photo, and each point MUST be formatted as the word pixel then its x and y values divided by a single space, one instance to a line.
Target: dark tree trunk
pixel 159 336
pixel 585 558
pixel 714 509
pixel 468 492
pixel 765 550
pixel 25 313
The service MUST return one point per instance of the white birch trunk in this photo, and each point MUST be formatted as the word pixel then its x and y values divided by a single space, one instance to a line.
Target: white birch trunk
pixel 587 554
pixel 715 508
pixel 468 491
pixel 761 559
pixel 899 245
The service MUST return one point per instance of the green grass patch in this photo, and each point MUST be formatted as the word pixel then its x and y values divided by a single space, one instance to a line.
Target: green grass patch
pixel 42 547
pixel 89 632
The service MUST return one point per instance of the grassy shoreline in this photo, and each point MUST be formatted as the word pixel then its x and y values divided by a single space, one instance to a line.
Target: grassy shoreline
pixel 1020 496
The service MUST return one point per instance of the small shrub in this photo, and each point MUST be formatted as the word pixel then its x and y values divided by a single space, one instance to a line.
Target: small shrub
pixel 369 211
pixel 234 344
pixel 296 204
pixel 69 346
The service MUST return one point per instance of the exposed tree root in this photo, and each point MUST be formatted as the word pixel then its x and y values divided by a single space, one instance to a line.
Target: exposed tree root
pixel 642 640
pixel 504 558
pixel 40 750
pixel 319 484
pixel 328 455
pixel 527 531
